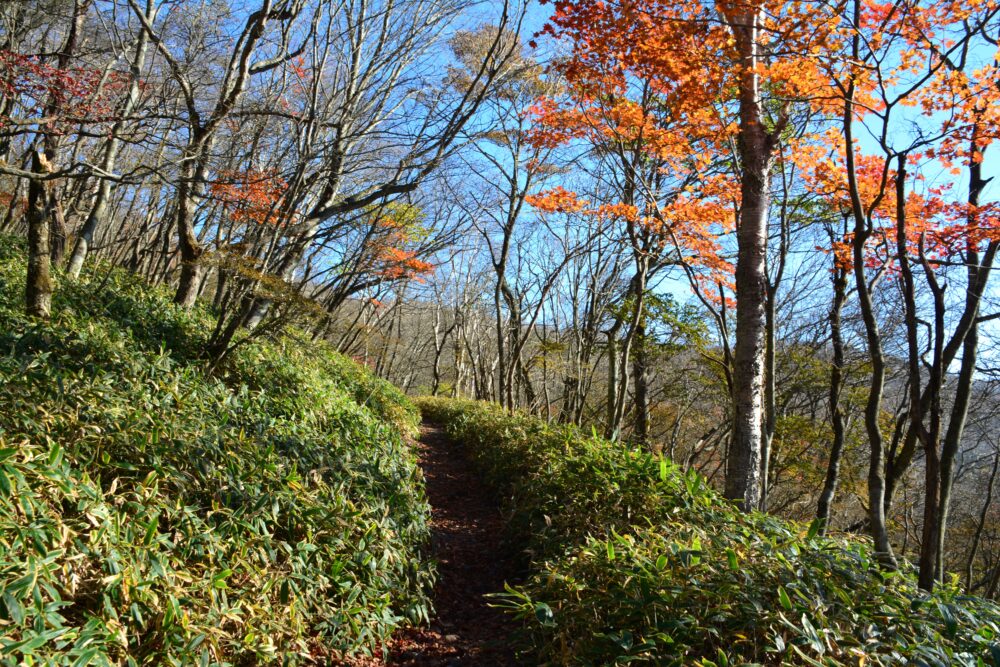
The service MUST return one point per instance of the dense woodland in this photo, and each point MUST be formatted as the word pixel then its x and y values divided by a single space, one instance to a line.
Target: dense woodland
pixel 754 238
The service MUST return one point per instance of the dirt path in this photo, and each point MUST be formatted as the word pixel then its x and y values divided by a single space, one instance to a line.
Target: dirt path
pixel 466 527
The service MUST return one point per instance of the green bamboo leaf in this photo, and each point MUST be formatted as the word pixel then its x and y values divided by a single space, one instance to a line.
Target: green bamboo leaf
pixel 13 607
pixel 544 615
pixel 783 598
pixel 950 622
pixel 219 579
pixel 812 635
pixel 86 658
pixel 151 530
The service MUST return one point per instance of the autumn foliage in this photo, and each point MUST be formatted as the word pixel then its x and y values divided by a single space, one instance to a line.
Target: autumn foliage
pixel 657 78
pixel 82 94
pixel 660 75
pixel 396 229
pixel 252 197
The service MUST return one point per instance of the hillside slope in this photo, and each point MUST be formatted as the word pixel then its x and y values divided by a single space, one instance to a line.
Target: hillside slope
pixel 151 514
pixel 634 561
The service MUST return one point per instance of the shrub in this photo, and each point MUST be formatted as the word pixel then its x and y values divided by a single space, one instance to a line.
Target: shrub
pixel 636 562
pixel 151 514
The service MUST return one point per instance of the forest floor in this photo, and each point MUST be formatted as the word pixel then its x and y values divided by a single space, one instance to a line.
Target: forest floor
pixel 466 530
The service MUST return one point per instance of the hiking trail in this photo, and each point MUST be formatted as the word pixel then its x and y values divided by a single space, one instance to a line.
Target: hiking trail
pixel 466 528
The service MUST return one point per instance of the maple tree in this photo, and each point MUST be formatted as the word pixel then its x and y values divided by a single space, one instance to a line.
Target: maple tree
pixel 724 78
pixel 675 226
pixel 394 253
pixel 251 197
pixel 666 196
pixel 80 94
pixel 909 63
pixel 721 78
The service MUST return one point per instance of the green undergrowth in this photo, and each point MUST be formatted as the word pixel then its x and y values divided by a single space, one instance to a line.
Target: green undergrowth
pixel 634 561
pixel 153 514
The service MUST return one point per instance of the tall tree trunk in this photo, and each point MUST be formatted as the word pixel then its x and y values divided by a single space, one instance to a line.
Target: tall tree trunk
pixel 613 379
pixel 57 221
pixel 86 235
pixel 917 409
pixel 637 292
pixel 956 426
pixel 501 375
pixel 619 378
pixel 929 555
pixel 770 396
pixel 38 286
pixel 641 378
pixel 873 404
pixel 836 412
pixel 977 273
pixel 190 249
pixel 44 215
pixel 873 408
pixel 756 152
